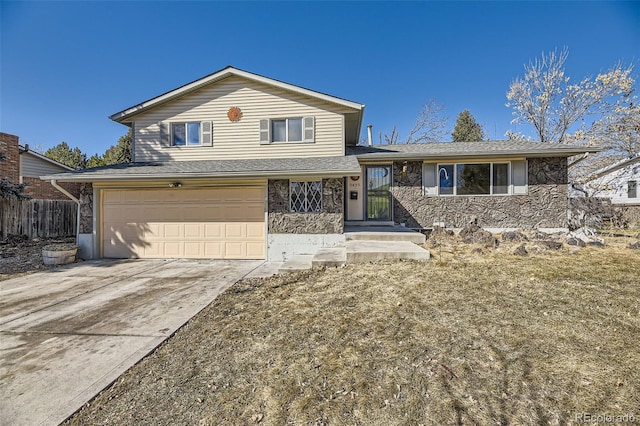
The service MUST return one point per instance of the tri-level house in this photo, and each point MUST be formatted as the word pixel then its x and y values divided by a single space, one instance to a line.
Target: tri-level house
pixel 236 165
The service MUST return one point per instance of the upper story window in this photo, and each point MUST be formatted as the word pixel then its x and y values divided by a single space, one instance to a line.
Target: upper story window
pixel 287 130
pixel 185 134
pixel 189 133
pixel 475 178
pixel 294 129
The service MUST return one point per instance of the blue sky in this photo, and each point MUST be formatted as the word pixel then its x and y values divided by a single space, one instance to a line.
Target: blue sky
pixel 67 66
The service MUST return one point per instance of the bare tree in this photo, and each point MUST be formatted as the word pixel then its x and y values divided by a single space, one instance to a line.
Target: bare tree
pixel 391 139
pixel 546 99
pixel 430 126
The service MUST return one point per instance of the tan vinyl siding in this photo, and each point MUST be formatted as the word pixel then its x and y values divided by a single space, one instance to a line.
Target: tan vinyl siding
pixel 32 166
pixel 240 140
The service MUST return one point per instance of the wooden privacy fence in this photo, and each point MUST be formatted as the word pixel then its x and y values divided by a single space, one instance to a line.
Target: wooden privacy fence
pixel 38 218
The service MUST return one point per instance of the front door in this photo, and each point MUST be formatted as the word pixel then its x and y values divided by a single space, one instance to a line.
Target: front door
pixel 378 201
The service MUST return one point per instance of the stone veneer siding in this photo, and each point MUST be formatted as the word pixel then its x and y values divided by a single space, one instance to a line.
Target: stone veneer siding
pixel 329 221
pixel 545 206
pixel 86 208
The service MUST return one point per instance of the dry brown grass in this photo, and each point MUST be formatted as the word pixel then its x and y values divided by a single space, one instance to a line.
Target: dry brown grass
pixel 461 339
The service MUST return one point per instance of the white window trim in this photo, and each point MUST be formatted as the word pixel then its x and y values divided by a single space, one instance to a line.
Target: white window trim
pixel 455 172
pixel 306 210
pixel 286 129
pixel 186 135
pixel 308 124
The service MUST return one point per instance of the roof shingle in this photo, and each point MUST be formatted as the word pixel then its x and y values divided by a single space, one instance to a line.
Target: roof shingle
pixel 256 168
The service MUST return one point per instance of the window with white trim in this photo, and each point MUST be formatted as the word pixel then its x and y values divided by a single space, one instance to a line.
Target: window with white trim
pixel 293 129
pixel 305 196
pixel 491 178
pixel 286 130
pixel 183 134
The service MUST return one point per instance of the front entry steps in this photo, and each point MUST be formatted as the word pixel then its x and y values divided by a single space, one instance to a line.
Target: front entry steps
pixel 363 251
pixel 364 246
pixel 383 233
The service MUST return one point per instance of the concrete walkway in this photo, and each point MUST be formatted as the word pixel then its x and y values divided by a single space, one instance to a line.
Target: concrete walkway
pixel 67 333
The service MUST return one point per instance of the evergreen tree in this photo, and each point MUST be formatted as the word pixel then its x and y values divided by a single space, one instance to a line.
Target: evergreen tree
pixel 467 128
pixel 120 152
pixel 73 158
pixel 95 161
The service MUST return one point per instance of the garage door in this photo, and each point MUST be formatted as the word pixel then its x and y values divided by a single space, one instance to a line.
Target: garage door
pixel 207 223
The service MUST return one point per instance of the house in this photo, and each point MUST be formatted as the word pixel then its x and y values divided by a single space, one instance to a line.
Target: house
pixel 617 183
pixel 238 165
pixel 23 165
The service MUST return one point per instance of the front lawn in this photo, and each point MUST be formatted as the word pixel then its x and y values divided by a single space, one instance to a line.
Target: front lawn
pixel 490 339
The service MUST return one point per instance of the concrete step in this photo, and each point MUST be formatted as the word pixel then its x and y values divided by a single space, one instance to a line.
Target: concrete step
pixel 330 257
pixel 362 251
pixel 396 233
pixel 301 262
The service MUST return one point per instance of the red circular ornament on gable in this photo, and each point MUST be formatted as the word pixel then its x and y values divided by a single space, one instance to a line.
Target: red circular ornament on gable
pixel 234 114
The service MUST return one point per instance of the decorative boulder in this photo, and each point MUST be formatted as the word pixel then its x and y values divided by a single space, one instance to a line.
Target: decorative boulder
pixel 575 242
pixel 514 236
pixel 521 251
pixel 588 236
pixel 473 234
pixel 551 245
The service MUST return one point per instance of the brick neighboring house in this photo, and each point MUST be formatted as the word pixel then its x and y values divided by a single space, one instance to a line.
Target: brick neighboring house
pixel 23 165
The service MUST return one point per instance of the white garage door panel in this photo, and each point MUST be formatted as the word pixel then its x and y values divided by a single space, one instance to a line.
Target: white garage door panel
pixel 223 223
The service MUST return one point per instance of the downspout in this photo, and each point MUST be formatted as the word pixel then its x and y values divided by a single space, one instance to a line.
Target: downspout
pixel 68 194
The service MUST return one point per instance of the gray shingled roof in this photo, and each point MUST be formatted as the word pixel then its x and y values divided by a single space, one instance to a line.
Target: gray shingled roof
pixel 466 149
pixel 259 168
pixel 317 166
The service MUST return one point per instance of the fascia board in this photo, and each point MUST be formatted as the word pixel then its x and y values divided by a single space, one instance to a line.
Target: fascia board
pixel 224 73
pixel 186 176
pixel 422 156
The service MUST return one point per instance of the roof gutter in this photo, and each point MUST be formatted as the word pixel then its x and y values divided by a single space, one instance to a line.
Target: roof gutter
pixel 77 201
pixel 226 176
pixel 447 156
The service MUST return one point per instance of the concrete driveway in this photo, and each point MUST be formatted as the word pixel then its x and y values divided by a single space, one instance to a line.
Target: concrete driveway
pixel 66 334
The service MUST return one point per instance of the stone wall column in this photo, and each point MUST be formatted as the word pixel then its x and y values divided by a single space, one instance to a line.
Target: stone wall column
pixel 86 208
